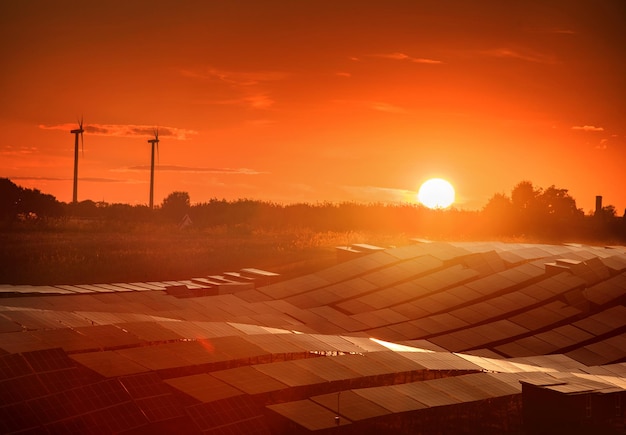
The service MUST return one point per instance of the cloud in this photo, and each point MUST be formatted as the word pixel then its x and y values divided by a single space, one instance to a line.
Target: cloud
pixel 236 78
pixel 385 107
pixel 29 178
pixel 602 145
pixel 259 101
pixel 126 130
pixel 343 74
pixel 381 194
pixel 21 151
pixel 247 83
pixel 403 56
pixel 87 179
pixel 509 53
pixel 190 169
pixel 587 128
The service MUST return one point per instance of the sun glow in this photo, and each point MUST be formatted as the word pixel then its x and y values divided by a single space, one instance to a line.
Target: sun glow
pixel 436 193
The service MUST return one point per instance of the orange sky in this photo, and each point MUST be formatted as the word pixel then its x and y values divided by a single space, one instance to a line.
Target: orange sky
pixel 312 101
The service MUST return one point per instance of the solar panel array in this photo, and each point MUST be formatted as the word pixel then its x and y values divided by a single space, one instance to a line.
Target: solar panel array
pixel 390 338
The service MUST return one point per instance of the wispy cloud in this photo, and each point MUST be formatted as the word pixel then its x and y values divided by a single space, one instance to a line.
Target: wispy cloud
pixel 236 78
pixel 259 101
pixel 385 107
pixel 87 179
pixel 381 194
pixel 603 144
pixel 525 55
pixel 406 57
pixel 248 83
pixel 21 151
pixel 126 130
pixel 191 169
pixel 587 128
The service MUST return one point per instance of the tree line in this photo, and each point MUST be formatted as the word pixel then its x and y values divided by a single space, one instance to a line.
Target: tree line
pixel 528 212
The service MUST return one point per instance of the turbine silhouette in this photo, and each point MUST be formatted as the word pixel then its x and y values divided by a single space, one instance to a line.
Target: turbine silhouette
pixel 153 142
pixel 76 132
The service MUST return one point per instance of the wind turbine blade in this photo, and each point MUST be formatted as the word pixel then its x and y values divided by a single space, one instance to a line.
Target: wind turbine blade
pixel 82 143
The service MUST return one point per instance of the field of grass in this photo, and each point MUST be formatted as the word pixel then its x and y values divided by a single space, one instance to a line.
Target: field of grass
pixel 83 253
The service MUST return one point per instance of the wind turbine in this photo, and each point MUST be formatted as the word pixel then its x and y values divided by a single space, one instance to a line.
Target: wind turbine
pixel 76 132
pixel 153 142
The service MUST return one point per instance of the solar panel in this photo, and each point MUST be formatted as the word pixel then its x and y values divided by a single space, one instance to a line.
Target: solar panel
pixel 558 361
pixel 115 419
pixel 284 289
pixel 308 414
pixel 341 321
pixel 100 318
pixel 361 365
pixel 304 316
pixel 494 384
pixel 144 385
pixel 108 363
pixel 21 388
pixel 156 357
pixel 160 408
pixel 370 319
pixel 16 342
pixel 13 365
pixel 8 325
pixel 249 380
pixel 394 400
pixel 440 361
pixel 149 331
pixel 48 360
pixel 203 387
pixel 84 399
pixel 327 368
pixel 607 291
pixel 457 389
pixel 16 417
pixel 109 336
pixel 426 394
pixel 234 415
pixel 290 373
pixel 604 321
pixel 335 343
pixel 439 323
pixel 153 397
pixel 395 362
pixel 543 316
pixel 350 405
pixel 610 349
pixel 68 339
pixel 32 319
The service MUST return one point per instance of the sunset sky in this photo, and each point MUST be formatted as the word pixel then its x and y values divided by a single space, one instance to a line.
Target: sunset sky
pixel 313 101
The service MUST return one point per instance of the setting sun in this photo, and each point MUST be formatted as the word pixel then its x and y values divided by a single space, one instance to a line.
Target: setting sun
pixel 436 193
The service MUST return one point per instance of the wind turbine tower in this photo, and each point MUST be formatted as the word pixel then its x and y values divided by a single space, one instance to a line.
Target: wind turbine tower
pixel 76 132
pixel 153 142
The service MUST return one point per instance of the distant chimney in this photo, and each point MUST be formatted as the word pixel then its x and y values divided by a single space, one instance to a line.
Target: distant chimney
pixel 598 205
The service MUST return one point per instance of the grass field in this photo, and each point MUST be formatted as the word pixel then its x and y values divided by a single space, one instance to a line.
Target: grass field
pixel 83 253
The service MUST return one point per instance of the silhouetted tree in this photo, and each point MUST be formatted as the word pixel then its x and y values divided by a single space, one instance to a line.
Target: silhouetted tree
pixel 16 201
pixel 176 205
pixel 559 215
pixel 498 215
pixel 524 196
pixel 9 199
